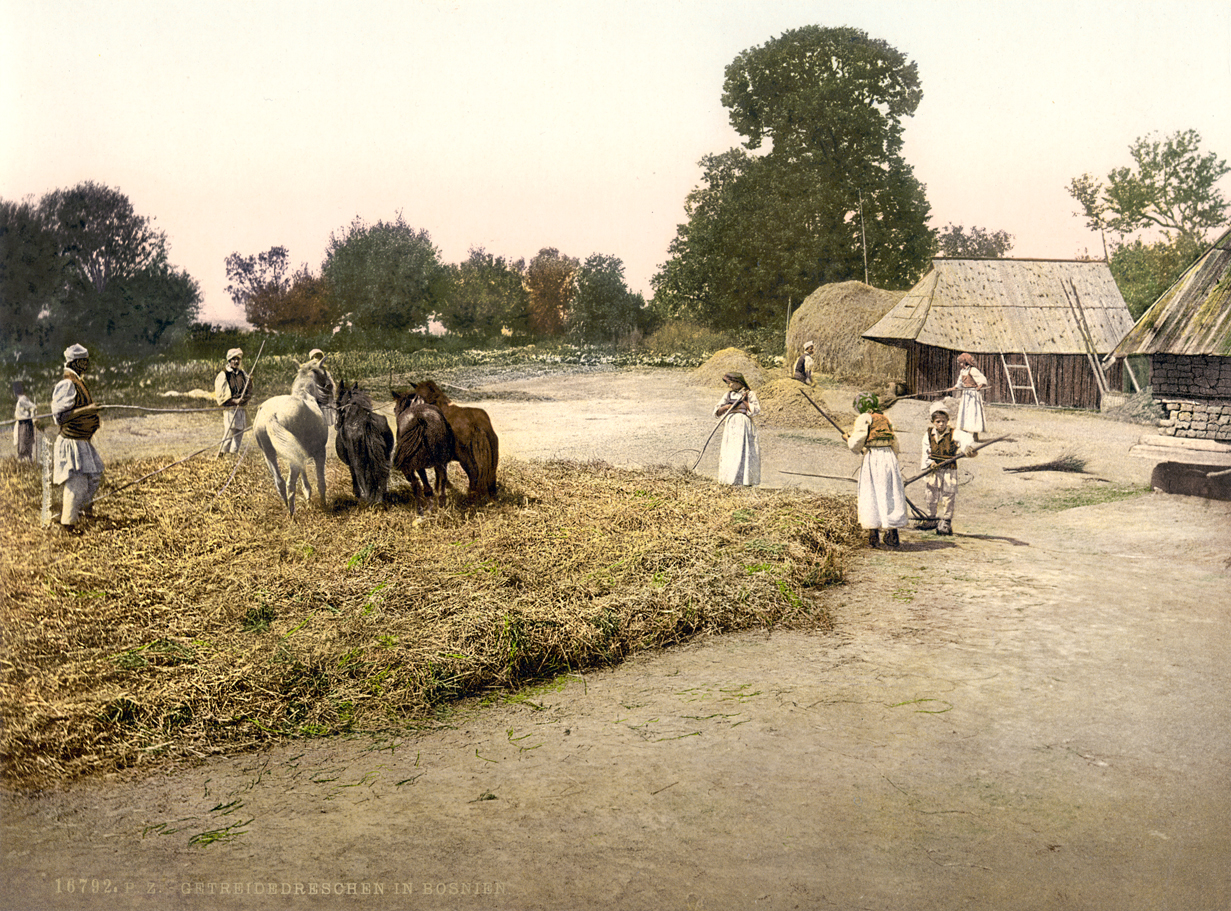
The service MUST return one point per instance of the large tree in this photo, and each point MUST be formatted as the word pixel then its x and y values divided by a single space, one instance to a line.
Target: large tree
pixel 551 282
pixel 1171 190
pixel 1171 187
pixel 831 194
pixel 258 282
pixel 34 279
pixel 387 275
pixel 603 308
pixel 104 277
pixel 488 294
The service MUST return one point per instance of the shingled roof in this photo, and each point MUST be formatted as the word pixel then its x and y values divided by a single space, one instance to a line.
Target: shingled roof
pixel 1003 305
pixel 1193 316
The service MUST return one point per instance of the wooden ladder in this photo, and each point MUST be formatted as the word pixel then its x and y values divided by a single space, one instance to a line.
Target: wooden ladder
pixel 1087 340
pixel 1012 376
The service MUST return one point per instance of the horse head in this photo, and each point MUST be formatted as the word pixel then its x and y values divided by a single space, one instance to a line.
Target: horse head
pixel 314 382
pixel 431 393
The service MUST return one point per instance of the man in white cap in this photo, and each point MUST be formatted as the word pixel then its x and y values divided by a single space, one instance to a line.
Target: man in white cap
pixel 77 463
pixel 232 389
pixel 804 364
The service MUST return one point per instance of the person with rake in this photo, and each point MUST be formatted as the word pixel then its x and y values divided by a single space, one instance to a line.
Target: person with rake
pixel 739 460
pixel 882 496
pixel 78 465
pixel 232 389
pixel 23 427
pixel 941 443
pixel 970 383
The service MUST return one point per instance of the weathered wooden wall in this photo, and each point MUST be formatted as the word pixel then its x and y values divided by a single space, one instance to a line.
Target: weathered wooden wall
pixel 1064 380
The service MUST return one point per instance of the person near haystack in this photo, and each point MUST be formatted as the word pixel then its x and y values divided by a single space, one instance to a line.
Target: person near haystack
pixel 23 430
pixel 804 364
pixel 739 461
pixel 882 495
pixel 941 441
pixel 77 463
pixel 970 383
pixel 232 389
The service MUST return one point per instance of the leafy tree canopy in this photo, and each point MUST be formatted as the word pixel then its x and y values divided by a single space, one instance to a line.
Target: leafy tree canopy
pixel 603 308
pixel 387 275
pixel 488 294
pixel 551 283
pixel 956 242
pixel 831 192
pixel 258 275
pixel 82 265
pixel 1171 187
pixel 1144 271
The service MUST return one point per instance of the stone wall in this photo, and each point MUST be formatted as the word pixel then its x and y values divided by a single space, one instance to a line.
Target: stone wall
pixel 1208 419
pixel 1185 377
pixel 1195 393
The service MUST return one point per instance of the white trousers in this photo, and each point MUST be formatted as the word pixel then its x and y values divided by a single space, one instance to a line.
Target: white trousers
pixel 233 429
pixel 942 493
pixel 79 490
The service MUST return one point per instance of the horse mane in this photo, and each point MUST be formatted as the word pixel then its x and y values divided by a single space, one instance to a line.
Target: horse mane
pixel 431 393
pixel 314 380
pixel 353 396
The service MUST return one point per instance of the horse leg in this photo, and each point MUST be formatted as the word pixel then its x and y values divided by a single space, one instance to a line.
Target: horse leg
pixel 442 483
pixel 293 488
pixel 320 478
pixel 271 460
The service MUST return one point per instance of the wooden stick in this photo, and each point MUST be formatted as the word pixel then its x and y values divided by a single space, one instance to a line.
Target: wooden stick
pixel 946 462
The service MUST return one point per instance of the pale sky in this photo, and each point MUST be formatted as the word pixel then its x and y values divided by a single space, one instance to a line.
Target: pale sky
pixel 577 125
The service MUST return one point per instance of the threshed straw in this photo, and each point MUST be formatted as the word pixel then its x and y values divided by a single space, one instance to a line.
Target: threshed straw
pixel 163 632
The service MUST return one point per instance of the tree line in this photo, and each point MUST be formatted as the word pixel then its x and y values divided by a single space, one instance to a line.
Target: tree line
pixel 818 192
pixel 391 276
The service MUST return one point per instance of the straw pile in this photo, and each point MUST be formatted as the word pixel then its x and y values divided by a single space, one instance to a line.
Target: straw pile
pixel 728 360
pixel 835 317
pixel 783 404
pixel 184 623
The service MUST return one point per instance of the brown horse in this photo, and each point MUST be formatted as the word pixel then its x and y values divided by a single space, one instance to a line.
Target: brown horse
pixel 475 444
pixel 424 441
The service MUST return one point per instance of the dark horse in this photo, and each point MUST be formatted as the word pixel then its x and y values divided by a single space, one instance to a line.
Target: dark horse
pixel 475 444
pixel 364 443
pixel 424 441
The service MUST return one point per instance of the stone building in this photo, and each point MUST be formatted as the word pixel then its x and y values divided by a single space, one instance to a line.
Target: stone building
pixel 1186 334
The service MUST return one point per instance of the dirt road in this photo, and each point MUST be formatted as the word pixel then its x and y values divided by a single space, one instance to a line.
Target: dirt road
pixel 1031 714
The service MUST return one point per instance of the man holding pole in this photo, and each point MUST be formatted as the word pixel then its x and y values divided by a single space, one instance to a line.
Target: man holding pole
pixel 232 389
pixel 77 463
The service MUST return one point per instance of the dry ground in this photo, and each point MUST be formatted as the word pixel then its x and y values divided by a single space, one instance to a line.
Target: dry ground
pixel 1030 714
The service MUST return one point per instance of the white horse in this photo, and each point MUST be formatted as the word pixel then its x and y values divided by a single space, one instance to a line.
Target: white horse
pixel 293 426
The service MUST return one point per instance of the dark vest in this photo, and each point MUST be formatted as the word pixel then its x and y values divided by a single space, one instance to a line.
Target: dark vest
pixel 237 382
pixel 942 447
pixel 82 426
pixel 880 433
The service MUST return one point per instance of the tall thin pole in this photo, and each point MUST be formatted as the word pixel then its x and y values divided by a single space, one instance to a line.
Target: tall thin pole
pixel 863 231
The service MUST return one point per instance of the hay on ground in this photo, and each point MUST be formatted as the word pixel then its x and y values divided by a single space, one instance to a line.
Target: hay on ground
pixel 181 624
pixel 835 317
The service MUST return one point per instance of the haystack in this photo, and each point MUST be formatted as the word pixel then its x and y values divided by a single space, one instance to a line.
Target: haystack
pixel 783 404
pixel 728 360
pixel 835 317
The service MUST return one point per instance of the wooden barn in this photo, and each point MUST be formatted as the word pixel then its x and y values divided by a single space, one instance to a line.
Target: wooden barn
pixel 1187 336
pixel 1041 331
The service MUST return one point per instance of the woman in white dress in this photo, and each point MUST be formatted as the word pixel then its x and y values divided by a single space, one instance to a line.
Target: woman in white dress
pixel 739 461
pixel 970 383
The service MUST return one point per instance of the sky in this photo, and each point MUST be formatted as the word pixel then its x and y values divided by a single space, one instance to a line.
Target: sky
pixel 577 125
